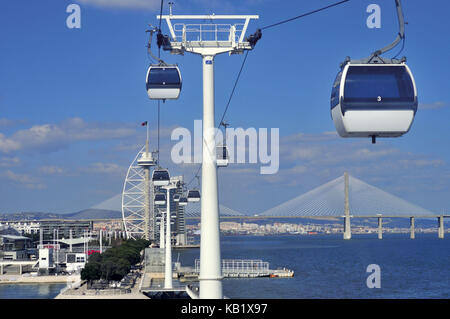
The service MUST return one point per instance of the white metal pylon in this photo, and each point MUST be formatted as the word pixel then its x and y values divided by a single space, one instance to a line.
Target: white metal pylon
pixel 208 40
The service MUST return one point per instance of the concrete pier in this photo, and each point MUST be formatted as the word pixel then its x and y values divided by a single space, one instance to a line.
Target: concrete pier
pixel 413 230
pixel 380 228
pixel 441 227
pixel 347 226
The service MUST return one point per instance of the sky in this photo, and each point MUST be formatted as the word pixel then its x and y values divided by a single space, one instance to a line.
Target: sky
pixel 72 101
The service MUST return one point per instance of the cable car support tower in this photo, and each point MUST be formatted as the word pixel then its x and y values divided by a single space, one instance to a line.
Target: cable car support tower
pixel 208 40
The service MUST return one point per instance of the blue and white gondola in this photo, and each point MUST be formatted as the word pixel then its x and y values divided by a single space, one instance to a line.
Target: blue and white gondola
pixel 160 177
pixel 193 196
pixel 373 100
pixel 183 201
pixel 160 199
pixel 163 82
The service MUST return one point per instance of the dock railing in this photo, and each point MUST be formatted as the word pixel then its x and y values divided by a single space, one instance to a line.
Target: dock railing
pixel 241 267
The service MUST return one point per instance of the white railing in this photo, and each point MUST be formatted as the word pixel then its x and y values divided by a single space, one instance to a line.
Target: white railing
pixel 208 32
pixel 240 266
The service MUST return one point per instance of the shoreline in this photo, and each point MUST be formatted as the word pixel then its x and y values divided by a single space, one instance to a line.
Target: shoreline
pixel 78 290
pixel 21 279
pixel 82 292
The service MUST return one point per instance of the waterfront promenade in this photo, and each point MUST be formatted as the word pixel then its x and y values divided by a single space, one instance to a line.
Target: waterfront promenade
pixel 79 290
pixel 83 293
pixel 27 279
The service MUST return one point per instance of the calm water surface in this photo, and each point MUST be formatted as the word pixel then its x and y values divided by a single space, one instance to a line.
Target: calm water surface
pixel 325 267
pixel 30 291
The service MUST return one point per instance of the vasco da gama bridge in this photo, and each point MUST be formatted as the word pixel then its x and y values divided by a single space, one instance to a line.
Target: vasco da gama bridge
pixel 349 197
pixel 344 197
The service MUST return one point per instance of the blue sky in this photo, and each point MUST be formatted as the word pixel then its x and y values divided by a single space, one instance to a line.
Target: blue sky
pixel 72 100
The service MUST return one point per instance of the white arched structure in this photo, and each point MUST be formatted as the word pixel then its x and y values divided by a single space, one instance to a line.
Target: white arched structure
pixel 134 202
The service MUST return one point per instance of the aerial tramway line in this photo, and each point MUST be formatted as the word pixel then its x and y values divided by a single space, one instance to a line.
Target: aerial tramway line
pixel 375 96
pixel 372 97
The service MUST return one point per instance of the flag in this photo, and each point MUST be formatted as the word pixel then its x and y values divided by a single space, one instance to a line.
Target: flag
pixel 144 123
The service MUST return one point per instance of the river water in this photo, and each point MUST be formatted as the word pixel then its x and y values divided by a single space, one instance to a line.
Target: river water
pixel 325 266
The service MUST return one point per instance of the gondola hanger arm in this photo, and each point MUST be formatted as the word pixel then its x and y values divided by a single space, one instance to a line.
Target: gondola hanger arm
pixel 400 35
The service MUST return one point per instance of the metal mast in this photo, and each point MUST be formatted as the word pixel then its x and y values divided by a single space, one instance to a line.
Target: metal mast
pixel 208 40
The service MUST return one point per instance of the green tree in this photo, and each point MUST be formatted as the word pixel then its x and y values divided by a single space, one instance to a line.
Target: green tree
pixel 91 271
pixel 115 262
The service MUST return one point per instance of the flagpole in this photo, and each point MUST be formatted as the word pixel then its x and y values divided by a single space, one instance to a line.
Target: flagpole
pixel 146 143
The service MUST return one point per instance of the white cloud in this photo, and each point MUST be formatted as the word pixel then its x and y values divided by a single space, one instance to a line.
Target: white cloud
pixel 8 145
pixel 9 161
pixel 433 106
pixel 365 153
pixel 51 170
pixel 303 153
pixel 22 180
pixel 104 168
pixel 299 169
pixel 5 122
pixel 323 156
pixel 422 163
pixel 53 137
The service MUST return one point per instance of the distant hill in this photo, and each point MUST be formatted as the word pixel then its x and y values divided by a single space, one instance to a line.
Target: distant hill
pixel 29 216
pixel 93 213
pixel 84 214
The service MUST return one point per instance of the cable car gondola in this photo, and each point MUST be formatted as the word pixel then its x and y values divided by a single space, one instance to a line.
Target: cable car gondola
pixel 183 201
pixel 160 199
pixel 193 196
pixel 376 96
pixel 222 156
pixel 163 82
pixel 370 100
pixel 222 150
pixel 160 177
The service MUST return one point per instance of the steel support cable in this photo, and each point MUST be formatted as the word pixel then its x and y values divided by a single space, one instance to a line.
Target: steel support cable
pixel 246 55
pixel 159 59
pixel 245 59
pixel 234 88
pixel 304 15
pixel 151 37
pixel 160 14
